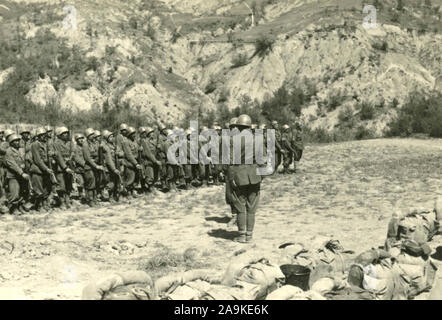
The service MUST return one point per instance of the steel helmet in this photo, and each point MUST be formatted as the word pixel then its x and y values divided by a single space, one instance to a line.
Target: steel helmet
pixel 274 123
pixel 123 126
pixel 97 133
pixel 149 130
pixel 131 131
pixel 203 128
pixel 244 120
pixel 89 132
pixel 262 126
pixel 285 127
pixel 107 134
pixel 24 130
pixel 141 130
pixel 61 130
pixel 161 126
pixel 13 137
pixel 188 132
pixel 49 129
pixel 40 131
pixel 233 122
pixel 79 136
pixel 254 126
pixel 8 132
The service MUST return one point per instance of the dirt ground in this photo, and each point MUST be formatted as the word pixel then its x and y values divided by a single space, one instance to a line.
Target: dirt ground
pixel 345 191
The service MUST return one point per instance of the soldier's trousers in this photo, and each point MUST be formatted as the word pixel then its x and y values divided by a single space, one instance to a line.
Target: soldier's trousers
pixel 65 182
pixel 42 185
pixel 288 158
pixel 150 174
pixel 278 159
pixel 244 202
pixel 130 176
pixel 17 190
pixel 112 184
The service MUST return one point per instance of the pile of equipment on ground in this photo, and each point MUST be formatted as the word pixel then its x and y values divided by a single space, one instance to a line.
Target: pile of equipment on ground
pixel 401 269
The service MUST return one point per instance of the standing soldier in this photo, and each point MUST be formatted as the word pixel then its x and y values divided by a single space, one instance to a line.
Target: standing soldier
pixel 297 143
pixel 172 170
pixel 42 176
pixel 79 164
pixel 3 148
pixel 286 144
pixel 17 179
pixel 90 155
pixel 149 162
pixel 233 131
pixel 245 187
pixel 112 174
pixel 99 175
pixel 278 149
pixel 131 165
pixel 50 151
pixel 64 173
pixel 160 154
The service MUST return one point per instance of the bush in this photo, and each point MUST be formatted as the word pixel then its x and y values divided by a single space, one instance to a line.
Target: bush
pixel 380 46
pixel 367 111
pixel 263 46
pixel 419 115
pixel 334 100
pixel 345 115
pixel 363 133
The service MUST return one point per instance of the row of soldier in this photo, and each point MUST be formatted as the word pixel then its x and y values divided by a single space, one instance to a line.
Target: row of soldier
pixel 44 168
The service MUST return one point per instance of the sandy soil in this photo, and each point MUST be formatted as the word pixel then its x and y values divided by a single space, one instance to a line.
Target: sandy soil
pixel 347 191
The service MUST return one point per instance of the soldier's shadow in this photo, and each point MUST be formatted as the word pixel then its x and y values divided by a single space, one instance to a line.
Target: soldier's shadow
pixel 218 219
pixel 224 234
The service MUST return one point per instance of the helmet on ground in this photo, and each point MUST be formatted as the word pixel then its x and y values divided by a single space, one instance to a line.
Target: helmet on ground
pixel 123 126
pixel 8 132
pixel 13 137
pixel 78 136
pixel 233 122
pixel 131 131
pixel 60 130
pixel 107 134
pixel 40 131
pixel 89 132
pixel 244 120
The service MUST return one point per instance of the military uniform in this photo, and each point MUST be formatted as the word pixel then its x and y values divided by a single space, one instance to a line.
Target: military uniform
pixel 111 170
pixel 130 149
pixel 90 155
pixel 40 174
pixel 286 140
pixel 3 147
pixel 79 164
pixel 297 144
pixel 62 157
pixel 149 162
pixel 15 166
pixel 278 149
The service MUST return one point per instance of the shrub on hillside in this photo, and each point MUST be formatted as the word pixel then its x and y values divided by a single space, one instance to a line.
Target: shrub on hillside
pixel 334 100
pixel 263 46
pixel 367 111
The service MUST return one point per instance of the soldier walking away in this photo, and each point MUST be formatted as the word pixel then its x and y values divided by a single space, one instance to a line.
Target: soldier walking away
pixel 17 180
pixel 42 176
pixel 90 155
pixel 245 188
pixel 63 170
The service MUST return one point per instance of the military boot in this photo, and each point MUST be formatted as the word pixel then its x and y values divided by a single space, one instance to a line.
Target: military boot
pixel 241 238
pixel 249 236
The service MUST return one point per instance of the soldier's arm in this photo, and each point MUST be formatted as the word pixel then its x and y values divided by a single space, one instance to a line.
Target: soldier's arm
pixel 78 157
pixel 147 152
pixel 38 160
pixel 128 153
pixel 11 164
pixel 108 159
pixel 87 157
pixel 58 156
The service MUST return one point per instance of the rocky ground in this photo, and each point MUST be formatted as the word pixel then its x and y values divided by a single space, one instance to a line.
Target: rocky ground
pixel 347 191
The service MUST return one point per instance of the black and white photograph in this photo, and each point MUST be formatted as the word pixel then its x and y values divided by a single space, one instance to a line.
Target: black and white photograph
pixel 240 151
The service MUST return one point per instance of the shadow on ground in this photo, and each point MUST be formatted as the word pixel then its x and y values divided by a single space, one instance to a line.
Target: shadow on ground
pixel 221 233
pixel 218 219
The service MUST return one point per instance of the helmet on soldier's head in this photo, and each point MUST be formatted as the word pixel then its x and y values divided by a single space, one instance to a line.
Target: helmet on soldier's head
pixel 254 126
pixel 149 130
pixel 203 128
pixel 141 130
pixel 107 134
pixel 262 126
pixel 131 131
pixel 40 131
pixel 60 130
pixel 274 123
pixel 8 132
pixel 97 133
pixel 24 130
pixel 89 132
pixel 188 132
pixel 233 122
pixel 123 126
pixel 244 121
pixel 13 137
pixel 161 126
pixel 49 129
pixel 285 127
pixel 79 136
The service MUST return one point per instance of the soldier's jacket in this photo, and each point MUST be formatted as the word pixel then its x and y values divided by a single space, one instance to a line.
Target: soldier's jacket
pixel 109 157
pixel 148 152
pixel 25 149
pixel 160 154
pixel 297 139
pixel 90 155
pixel 286 140
pixel 39 158
pixel 62 154
pixel 130 149
pixel 278 146
pixel 243 174
pixel 3 148
pixel 14 163
pixel 78 159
